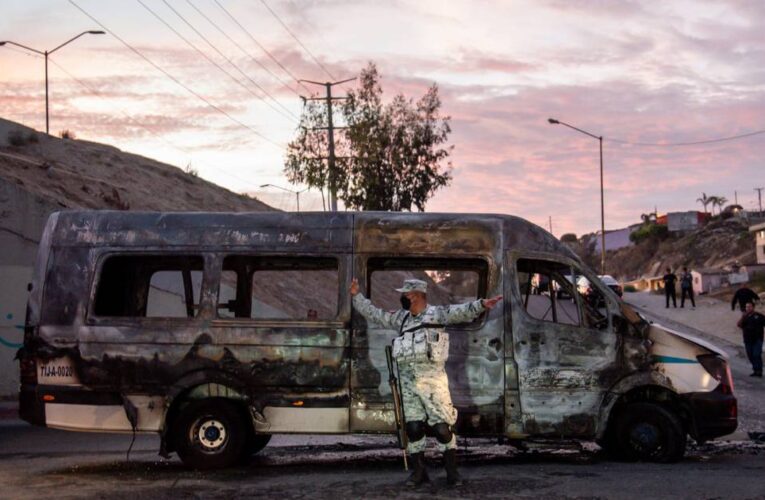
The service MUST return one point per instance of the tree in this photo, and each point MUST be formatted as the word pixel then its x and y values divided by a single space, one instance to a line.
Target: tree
pixel 396 154
pixel 720 201
pixel 704 200
pixel 569 238
pixel 649 218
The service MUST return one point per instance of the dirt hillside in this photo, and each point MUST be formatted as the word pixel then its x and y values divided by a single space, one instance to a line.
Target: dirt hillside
pixel 719 244
pixel 82 174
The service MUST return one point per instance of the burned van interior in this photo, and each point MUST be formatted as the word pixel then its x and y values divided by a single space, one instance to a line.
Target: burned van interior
pixel 549 292
pixel 158 286
pixel 288 288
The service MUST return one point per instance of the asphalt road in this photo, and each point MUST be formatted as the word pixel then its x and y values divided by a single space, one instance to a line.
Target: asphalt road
pixel 45 463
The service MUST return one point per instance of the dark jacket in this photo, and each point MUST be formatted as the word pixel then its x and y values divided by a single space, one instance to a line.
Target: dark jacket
pixel 742 296
pixel 753 326
pixel 686 281
pixel 669 281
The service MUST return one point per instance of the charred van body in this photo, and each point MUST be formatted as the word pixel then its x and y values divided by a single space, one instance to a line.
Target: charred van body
pixel 217 330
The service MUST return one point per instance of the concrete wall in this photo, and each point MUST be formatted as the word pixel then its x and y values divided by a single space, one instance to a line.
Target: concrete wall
pixel 22 219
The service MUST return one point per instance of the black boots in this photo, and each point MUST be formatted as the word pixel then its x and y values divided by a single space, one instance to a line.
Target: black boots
pixel 450 464
pixel 419 473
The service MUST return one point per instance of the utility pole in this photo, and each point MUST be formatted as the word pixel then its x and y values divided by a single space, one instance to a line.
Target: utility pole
pixel 553 121
pixel 759 198
pixel 331 165
pixel 550 217
pixel 735 197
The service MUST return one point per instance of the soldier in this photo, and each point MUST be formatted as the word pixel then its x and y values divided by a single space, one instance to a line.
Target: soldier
pixel 420 351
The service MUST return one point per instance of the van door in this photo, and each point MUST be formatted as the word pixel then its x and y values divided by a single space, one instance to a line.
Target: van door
pixel 476 364
pixel 564 347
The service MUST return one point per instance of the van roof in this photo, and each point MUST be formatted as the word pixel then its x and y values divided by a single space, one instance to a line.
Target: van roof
pixel 315 231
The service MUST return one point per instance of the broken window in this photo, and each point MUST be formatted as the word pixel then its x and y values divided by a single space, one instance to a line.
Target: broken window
pixel 152 286
pixel 558 293
pixel 450 281
pixel 293 288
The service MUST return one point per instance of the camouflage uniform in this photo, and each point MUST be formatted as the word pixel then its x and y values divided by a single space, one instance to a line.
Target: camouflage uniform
pixel 421 352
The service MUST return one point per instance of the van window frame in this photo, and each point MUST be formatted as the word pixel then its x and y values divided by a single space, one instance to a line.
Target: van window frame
pixel 374 263
pixel 93 319
pixel 336 322
pixel 559 259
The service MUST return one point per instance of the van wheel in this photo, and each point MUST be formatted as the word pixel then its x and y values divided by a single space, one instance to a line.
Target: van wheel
pixel 210 434
pixel 649 432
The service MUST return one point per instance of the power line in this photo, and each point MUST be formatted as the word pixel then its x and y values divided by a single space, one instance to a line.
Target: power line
pixel 232 63
pixel 174 79
pixel 331 158
pixel 209 59
pixel 297 39
pixel 242 49
pixel 271 56
pixel 98 94
pixel 693 143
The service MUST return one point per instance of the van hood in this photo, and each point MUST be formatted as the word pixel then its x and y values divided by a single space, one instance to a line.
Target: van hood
pixel 690 338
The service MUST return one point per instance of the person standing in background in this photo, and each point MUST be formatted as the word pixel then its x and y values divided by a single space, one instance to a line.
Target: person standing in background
pixel 669 287
pixel 743 295
pixel 686 288
pixel 753 324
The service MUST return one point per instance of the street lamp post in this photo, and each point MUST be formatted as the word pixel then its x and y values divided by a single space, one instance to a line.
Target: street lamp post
pixel 296 193
pixel 45 53
pixel 553 121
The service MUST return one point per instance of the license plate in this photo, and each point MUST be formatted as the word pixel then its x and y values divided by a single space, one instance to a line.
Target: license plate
pixel 59 371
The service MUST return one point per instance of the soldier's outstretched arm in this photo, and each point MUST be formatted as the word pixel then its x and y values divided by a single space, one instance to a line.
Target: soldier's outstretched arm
pixel 467 312
pixel 374 314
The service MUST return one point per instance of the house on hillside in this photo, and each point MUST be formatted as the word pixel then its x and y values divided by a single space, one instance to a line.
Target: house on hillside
pixel 683 221
pixel 759 242
pixel 617 238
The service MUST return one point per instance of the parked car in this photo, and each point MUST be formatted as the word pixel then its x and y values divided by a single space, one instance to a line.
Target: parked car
pixel 584 287
pixel 611 283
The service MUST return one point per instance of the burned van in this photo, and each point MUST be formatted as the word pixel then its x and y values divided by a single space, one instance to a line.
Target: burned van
pixel 218 330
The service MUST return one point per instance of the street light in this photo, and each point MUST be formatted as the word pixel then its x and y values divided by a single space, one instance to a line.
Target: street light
pixel 296 193
pixel 46 53
pixel 553 121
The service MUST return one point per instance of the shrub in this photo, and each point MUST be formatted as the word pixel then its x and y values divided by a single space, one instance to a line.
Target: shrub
pixel 16 138
pixel 569 238
pixel 68 134
pixel 630 288
pixel 191 170
pixel 649 231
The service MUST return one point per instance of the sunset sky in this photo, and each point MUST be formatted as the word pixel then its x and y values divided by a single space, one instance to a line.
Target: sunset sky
pixel 633 71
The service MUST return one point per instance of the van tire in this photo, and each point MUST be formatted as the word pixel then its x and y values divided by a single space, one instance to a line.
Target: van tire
pixel 210 434
pixel 649 432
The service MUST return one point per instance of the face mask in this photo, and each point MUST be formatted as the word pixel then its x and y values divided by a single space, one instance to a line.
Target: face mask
pixel 405 302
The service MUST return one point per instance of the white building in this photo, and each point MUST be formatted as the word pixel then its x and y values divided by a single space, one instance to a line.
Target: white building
pixel 759 230
pixel 684 221
pixel 617 238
